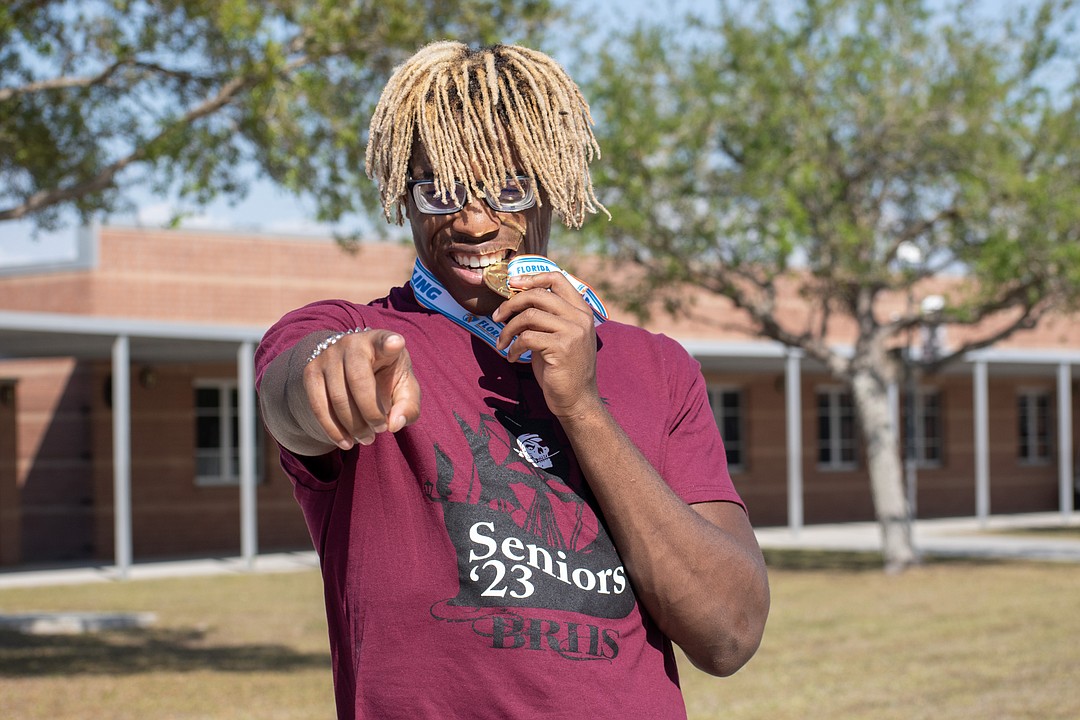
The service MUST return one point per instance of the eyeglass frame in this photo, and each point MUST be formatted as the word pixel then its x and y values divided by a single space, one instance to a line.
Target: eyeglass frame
pixel 522 181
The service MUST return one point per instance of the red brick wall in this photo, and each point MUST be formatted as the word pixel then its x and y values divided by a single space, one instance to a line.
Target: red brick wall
pixel 227 278
pixel 844 495
pixel 1015 486
pixel 52 460
pixel 58 450
pixel 828 495
pixel 10 512
pixel 172 515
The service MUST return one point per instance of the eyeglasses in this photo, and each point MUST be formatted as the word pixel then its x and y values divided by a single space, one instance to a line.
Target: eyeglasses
pixel 516 195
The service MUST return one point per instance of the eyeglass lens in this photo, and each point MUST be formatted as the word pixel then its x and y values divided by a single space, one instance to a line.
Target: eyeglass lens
pixel 515 195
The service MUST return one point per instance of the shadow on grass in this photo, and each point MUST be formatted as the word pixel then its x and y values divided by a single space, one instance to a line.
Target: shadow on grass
pixel 1056 532
pixel 138 651
pixel 811 560
pixel 848 561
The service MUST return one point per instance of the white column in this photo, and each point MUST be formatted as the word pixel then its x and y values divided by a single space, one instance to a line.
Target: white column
pixel 1065 445
pixel 121 408
pixel 982 444
pixel 793 397
pixel 249 534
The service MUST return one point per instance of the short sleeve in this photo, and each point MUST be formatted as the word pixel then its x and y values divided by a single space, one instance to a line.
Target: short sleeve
pixel 694 462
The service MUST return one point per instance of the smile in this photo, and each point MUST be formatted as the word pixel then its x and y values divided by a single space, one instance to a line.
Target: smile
pixel 478 262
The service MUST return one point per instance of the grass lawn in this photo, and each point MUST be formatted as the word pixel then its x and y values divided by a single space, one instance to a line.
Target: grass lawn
pixel 250 646
pixel 946 641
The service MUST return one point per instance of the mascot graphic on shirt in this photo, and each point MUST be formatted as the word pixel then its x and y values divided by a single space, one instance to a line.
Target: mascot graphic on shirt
pixel 532 555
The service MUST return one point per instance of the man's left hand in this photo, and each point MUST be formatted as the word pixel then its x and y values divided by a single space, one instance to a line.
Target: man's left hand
pixel 557 326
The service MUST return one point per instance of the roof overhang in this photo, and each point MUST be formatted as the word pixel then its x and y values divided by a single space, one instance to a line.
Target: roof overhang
pixel 38 335
pixel 747 356
pixel 26 335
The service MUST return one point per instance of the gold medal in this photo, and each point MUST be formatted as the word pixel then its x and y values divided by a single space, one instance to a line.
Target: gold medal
pixel 495 277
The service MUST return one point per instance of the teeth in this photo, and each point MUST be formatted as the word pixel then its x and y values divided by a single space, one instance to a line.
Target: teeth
pixel 478 262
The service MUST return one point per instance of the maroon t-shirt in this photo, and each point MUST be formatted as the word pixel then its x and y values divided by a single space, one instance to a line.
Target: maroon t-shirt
pixel 465 569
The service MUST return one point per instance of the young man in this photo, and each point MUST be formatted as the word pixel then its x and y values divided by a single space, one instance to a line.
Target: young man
pixel 517 508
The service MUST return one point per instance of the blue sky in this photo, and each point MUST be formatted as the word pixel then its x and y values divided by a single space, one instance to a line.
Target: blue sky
pixel 269 210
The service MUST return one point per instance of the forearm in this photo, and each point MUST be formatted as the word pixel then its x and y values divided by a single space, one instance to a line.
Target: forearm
pixel 284 405
pixel 697 570
pixel 337 390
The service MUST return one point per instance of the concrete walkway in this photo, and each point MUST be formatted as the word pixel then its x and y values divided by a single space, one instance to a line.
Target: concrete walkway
pixel 78 574
pixel 947 537
pixel 953 537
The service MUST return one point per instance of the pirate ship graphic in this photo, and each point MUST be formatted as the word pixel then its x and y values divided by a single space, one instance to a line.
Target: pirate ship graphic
pixel 520 518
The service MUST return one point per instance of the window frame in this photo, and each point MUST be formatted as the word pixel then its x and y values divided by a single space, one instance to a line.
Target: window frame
pixel 228 425
pixel 1027 401
pixel 921 436
pixel 836 441
pixel 719 408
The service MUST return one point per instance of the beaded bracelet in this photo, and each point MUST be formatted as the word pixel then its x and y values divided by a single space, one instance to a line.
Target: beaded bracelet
pixel 333 339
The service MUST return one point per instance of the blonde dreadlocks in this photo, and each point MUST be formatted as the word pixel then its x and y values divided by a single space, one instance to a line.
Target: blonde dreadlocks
pixel 470 109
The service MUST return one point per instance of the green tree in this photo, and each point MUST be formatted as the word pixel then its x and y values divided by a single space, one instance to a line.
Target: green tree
pixel 857 151
pixel 97 96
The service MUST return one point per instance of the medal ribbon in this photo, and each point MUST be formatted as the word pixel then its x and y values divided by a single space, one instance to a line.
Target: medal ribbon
pixel 433 295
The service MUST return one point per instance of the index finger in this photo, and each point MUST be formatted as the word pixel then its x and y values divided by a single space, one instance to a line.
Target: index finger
pixel 397 391
pixel 371 375
pixel 386 347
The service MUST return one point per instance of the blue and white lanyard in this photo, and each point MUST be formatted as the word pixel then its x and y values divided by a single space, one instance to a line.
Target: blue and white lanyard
pixel 433 295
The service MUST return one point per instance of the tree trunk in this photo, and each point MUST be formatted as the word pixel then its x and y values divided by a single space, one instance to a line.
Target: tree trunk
pixel 871 397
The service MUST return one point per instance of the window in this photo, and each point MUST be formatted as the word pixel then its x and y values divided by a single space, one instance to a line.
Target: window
pixel 927 427
pixel 217 434
pixel 1034 432
pixel 836 429
pixel 727 407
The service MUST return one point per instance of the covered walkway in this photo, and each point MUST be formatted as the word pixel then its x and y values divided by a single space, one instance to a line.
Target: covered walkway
pixel 125 342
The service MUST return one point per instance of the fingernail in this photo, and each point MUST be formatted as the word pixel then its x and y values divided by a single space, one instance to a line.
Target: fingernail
pixel 381 427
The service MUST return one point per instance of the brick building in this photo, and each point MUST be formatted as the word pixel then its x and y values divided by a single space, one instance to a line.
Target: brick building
pixel 127 423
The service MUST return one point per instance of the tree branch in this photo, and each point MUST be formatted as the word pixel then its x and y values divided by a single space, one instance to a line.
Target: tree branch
pixel 765 319
pixel 63 83
pixel 737 157
pixel 106 176
pixel 1031 315
pixel 924 226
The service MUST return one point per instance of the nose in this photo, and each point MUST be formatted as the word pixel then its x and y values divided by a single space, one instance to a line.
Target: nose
pixel 476 220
